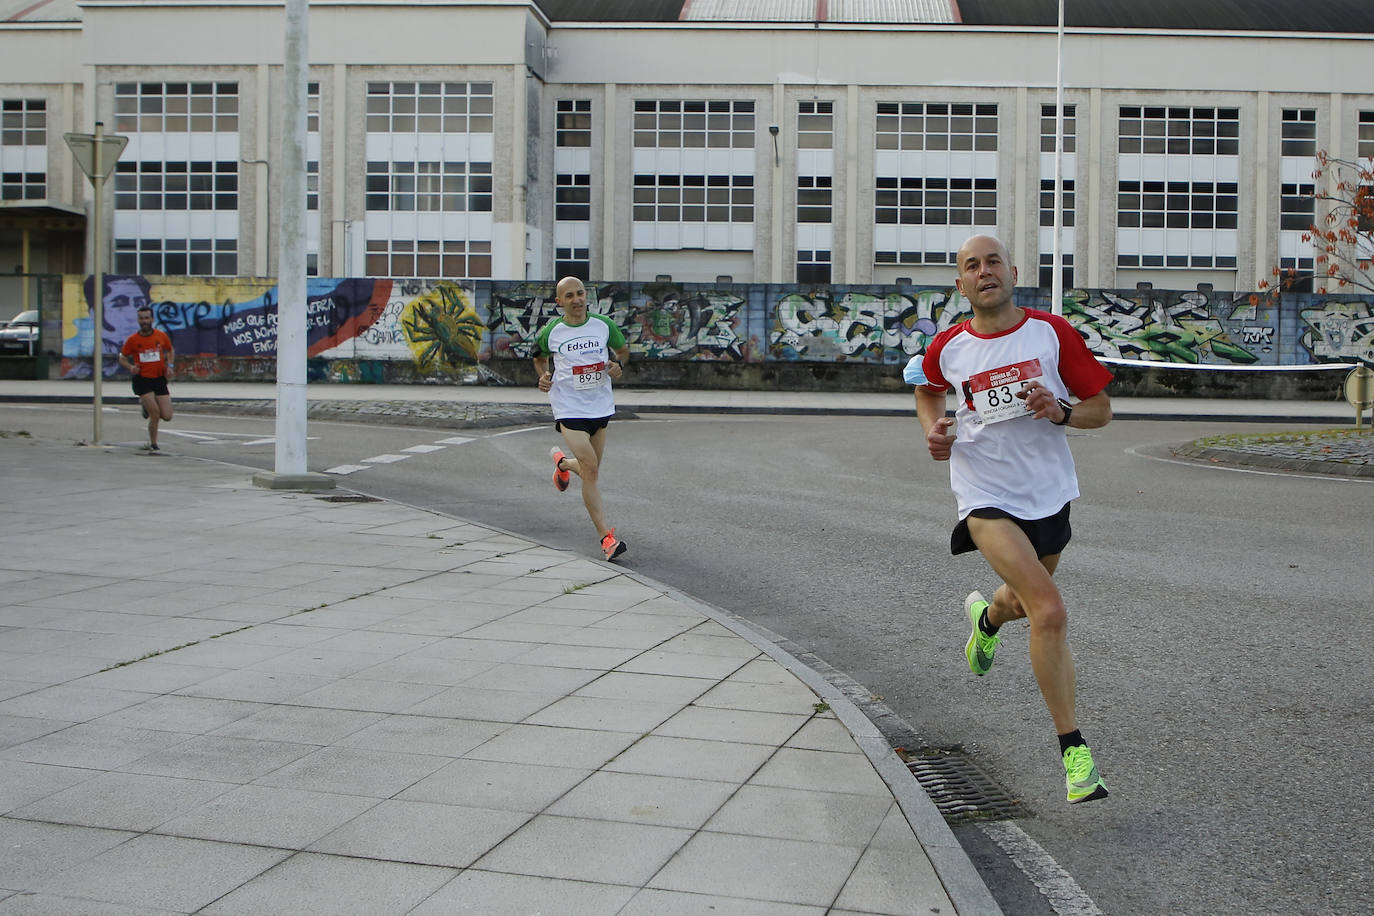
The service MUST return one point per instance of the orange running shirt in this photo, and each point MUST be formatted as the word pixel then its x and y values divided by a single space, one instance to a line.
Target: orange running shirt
pixel 148 352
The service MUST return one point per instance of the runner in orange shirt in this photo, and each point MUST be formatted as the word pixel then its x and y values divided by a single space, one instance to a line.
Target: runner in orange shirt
pixel 148 356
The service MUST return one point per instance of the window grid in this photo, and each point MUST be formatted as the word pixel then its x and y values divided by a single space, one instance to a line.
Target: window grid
pixel 1176 205
pixel 1298 132
pixel 429 108
pixel 936 201
pixel 202 107
pixel 936 126
pixel 1179 130
pixel 1047 128
pixel 815 125
pixel 24 122
pixel 176 257
pixel 572 262
pixel 694 124
pixel 176 186
pixel 573 198
pixel 428 258
pixel 1047 269
pixel 573 123
pixel 814 198
pixel 1297 207
pixel 408 187
pixel 1047 203
pixel 694 198
pixel 1364 143
pixel 813 266
pixel 23 185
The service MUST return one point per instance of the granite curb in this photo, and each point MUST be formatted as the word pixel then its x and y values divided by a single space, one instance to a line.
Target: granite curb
pixel 1334 452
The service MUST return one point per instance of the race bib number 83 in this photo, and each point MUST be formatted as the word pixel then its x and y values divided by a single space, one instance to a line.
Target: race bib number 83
pixel 994 392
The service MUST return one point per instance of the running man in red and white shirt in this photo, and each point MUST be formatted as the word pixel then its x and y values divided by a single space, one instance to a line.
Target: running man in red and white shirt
pixel 1013 370
pixel 148 356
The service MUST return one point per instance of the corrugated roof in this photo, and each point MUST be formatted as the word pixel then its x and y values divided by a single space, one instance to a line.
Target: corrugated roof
pixel 1222 15
pixel 39 11
pixel 611 10
pixel 818 11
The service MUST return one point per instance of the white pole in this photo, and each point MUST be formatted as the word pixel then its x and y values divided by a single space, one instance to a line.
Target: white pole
pixel 1057 282
pixel 97 287
pixel 291 283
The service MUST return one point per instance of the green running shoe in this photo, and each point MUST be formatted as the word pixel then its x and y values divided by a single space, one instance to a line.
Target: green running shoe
pixel 1081 776
pixel 980 647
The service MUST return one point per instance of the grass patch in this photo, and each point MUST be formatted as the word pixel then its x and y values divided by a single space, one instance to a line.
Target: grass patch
pixel 1314 437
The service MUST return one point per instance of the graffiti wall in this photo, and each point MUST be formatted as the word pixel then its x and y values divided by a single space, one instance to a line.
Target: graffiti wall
pixel 442 330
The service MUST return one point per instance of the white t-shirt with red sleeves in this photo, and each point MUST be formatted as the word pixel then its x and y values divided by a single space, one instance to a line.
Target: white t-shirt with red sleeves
pixel 1002 456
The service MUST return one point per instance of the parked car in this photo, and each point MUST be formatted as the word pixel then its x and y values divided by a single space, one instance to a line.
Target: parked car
pixel 19 335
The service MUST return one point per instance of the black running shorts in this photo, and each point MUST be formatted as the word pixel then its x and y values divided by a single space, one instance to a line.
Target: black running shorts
pixel 1049 535
pixel 157 385
pixel 590 427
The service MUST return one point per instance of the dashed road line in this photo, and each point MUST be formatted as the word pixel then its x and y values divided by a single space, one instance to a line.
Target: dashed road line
pixel 1057 886
pixel 385 459
pixel 423 449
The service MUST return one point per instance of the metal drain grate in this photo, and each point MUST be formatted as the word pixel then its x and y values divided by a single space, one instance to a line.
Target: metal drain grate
pixel 348 498
pixel 961 791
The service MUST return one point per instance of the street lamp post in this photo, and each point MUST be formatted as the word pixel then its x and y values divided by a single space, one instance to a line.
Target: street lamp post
pixel 97 155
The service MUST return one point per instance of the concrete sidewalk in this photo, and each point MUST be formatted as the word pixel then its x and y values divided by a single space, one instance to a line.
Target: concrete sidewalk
pixel 222 699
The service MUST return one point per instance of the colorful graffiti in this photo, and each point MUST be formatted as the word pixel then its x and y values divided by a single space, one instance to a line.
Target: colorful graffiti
pixel 446 331
pixel 1340 331
pixel 1187 330
pixel 861 325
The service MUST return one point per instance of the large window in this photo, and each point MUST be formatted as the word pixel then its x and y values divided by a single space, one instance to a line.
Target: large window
pixel 694 124
pixel 1364 144
pixel 429 179
pixel 815 189
pixel 451 187
pixel 693 185
pixel 572 213
pixel 935 179
pixel 176 188
pixel 23 149
pixel 1068 176
pixel 1178 171
pixel 1297 202
pixel 405 258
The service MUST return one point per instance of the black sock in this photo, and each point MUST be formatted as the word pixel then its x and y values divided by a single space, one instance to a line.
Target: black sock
pixel 1072 739
pixel 987 628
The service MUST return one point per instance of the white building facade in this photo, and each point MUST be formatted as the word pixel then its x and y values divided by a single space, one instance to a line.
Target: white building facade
pixel 469 139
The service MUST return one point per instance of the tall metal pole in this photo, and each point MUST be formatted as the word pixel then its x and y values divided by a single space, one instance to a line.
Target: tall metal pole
pixel 291 283
pixel 1057 282
pixel 98 287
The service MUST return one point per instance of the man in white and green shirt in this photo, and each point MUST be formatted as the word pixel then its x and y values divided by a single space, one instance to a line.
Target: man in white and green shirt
pixel 587 352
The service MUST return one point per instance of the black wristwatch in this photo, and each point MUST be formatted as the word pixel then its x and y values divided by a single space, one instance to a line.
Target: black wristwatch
pixel 1068 412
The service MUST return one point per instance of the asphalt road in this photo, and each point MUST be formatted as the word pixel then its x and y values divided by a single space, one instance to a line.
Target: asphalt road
pixel 1217 618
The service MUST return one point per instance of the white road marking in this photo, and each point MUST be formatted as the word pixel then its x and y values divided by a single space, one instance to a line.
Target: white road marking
pixel 516 432
pixel 345 468
pixel 422 449
pixel 188 434
pixel 1204 463
pixel 455 440
pixel 1058 887
pixel 385 459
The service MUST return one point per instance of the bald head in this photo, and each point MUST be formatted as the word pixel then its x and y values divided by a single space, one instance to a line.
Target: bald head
pixel 572 299
pixel 986 278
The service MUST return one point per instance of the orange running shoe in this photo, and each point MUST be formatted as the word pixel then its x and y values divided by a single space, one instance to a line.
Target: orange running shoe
pixel 611 546
pixel 560 476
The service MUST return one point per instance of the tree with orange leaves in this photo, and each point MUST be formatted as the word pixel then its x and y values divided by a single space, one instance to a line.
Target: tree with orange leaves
pixel 1343 239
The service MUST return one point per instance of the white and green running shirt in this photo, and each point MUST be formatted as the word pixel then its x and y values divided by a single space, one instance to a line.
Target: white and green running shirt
pixel 581 385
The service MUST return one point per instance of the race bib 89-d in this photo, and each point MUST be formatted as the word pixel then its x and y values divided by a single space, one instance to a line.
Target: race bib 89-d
pixel 592 375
